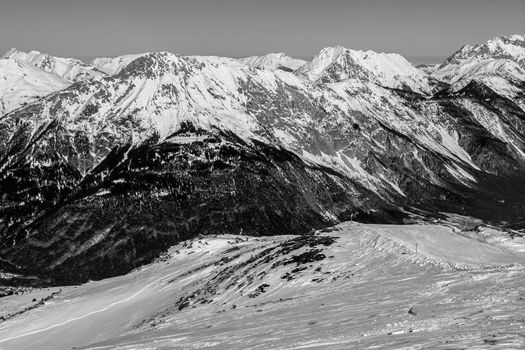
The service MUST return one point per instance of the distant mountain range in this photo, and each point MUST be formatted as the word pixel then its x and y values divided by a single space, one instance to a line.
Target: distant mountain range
pixel 104 165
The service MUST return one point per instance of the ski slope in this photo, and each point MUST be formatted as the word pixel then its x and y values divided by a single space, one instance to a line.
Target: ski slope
pixel 352 286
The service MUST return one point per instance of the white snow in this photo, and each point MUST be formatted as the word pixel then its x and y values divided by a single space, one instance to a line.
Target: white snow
pixel 498 63
pixel 379 286
pixel 460 75
pixel 230 94
pixel 70 69
pixel 387 69
pixel 113 65
pixel 273 61
pixel 21 83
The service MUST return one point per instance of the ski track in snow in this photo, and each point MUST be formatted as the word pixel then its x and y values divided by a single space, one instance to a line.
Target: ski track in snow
pixel 369 280
pixel 89 313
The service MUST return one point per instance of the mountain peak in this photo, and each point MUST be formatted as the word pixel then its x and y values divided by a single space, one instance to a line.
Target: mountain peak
pixel 113 65
pixel 515 39
pixel 273 61
pixel 503 47
pixel 329 53
pixel 152 64
pixel 70 69
pixel 333 64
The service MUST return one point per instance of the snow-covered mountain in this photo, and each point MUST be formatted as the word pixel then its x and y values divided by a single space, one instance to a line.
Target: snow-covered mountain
pixel 157 93
pixel 274 61
pixel 113 65
pixel 472 69
pixel 510 47
pixel 70 69
pixel 335 64
pixel 21 83
pixel 157 147
pixel 498 63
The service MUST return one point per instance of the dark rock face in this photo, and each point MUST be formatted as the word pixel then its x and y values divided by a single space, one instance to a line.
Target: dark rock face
pixel 141 200
pixel 490 153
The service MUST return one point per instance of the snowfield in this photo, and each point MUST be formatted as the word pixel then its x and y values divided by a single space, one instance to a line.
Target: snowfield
pixel 353 286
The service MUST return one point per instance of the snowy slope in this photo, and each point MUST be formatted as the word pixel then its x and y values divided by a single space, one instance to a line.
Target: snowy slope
pixel 504 76
pixel 386 69
pixel 352 286
pixel 113 65
pixel 21 83
pixel 496 67
pixel 274 61
pixel 70 69
pixel 498 63
pixel 473 68
pixel 510 47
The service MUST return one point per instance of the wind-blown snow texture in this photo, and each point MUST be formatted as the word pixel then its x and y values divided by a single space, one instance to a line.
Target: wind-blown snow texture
pixel 351 286
pixel 105 165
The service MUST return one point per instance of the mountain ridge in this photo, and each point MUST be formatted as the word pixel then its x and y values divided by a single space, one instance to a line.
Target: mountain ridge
pixel 107 170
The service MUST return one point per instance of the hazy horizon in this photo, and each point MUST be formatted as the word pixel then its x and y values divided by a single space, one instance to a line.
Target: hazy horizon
pixel 417 60
pixel 413 59
pixel 421 30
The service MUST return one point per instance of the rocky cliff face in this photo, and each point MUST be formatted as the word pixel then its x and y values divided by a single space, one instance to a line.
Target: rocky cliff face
pixel 105 174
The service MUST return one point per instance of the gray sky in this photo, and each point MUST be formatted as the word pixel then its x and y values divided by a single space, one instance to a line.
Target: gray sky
pixel 87 28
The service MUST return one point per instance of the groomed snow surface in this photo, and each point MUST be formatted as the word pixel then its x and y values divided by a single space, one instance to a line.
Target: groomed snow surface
pixel 354 286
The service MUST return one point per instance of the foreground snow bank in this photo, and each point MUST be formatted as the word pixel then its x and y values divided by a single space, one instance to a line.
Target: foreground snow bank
pixel 451 246
pixel 350 286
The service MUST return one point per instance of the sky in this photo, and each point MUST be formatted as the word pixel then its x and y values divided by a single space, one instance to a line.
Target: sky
pixel 238 28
